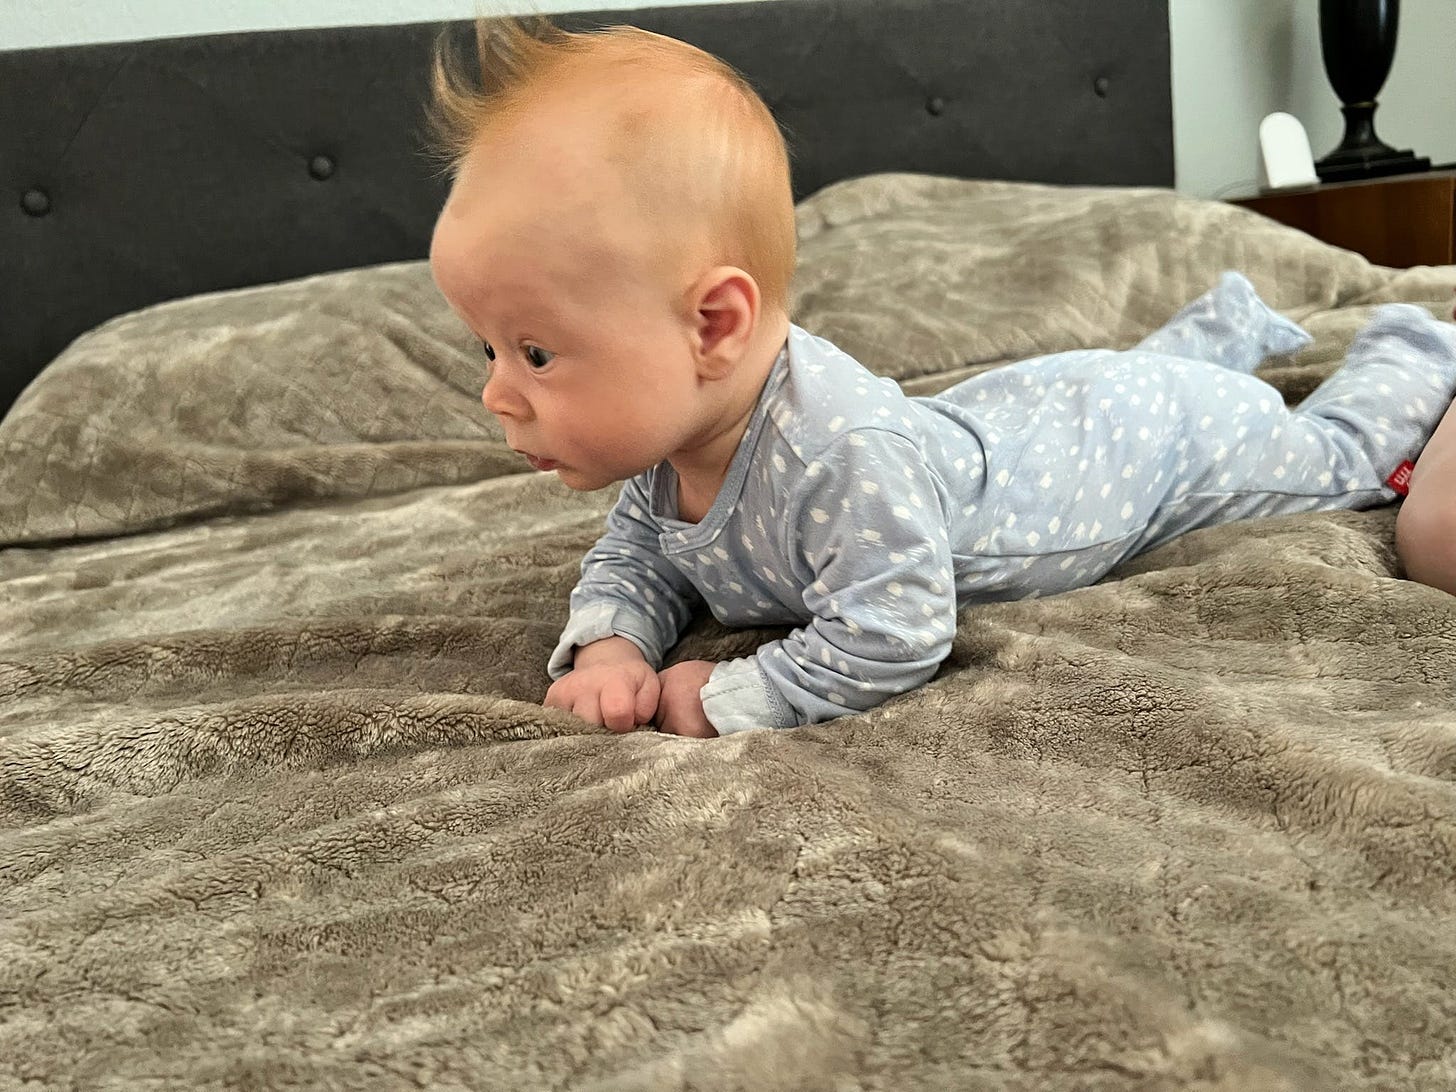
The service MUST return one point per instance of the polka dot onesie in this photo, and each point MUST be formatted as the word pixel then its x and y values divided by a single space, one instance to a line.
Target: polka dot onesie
pixel 866 518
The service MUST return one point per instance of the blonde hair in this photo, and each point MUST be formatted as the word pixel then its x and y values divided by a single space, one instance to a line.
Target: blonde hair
pixel 682 121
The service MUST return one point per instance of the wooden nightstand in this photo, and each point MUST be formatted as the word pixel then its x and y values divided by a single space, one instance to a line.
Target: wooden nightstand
pixel 1402 220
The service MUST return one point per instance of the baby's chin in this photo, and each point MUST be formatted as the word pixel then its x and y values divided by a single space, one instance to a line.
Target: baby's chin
pixel 583 481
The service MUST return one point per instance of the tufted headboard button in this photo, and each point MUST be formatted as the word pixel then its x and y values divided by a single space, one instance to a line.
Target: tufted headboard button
pixel 36 202
pixel 321 167
pixel 1100 85
pixel 935 105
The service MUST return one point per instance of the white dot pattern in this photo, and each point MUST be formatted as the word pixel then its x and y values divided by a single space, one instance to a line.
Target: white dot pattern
pixel 864 517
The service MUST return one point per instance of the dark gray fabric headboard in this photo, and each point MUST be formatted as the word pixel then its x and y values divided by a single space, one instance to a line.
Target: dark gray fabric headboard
pixel 138 172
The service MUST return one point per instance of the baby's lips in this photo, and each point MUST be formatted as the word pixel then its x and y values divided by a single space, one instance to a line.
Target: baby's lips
pixel 541 464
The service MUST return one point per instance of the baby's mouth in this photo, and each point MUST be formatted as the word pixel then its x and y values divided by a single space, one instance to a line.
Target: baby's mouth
pixel 539 463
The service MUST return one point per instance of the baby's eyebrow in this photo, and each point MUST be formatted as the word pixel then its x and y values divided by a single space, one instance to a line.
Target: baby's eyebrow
pixel 541 315
pixel 516 309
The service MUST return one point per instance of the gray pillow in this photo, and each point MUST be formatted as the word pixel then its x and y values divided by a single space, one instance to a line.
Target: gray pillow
pixel 364 382
pixel 339 385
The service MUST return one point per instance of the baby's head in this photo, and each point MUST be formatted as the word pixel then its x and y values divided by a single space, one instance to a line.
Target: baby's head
pixel 620 235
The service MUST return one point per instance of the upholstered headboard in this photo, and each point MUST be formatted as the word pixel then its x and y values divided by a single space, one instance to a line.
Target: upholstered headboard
pixel 138 172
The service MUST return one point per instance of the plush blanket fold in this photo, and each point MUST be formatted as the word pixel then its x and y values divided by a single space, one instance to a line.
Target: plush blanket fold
pixel 279 806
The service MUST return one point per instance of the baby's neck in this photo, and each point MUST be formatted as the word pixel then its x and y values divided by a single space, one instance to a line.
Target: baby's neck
pixel 702 471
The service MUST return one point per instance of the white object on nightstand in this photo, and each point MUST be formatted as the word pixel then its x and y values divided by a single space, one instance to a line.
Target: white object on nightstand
pixel 1287 158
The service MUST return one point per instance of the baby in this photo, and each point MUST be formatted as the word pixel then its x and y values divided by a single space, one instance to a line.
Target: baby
pixel 620 235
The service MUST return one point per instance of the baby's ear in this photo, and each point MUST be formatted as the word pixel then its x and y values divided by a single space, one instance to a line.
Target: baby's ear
pixel 726 314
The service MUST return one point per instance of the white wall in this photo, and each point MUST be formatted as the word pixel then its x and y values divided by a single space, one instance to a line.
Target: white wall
pixel 1236 60
pixel 1233 62
pixel 25 23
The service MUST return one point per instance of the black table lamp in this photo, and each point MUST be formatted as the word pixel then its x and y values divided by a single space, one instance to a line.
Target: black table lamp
pixel 1357 38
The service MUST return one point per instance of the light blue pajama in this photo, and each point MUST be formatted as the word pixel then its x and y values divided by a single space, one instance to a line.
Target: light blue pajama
pixel 865 517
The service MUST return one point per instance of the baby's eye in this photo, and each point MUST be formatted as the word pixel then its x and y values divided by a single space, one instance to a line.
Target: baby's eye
pixel 538 356
pixel 489 352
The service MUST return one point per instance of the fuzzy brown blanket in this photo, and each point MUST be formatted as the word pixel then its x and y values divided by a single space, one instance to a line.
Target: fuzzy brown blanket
pixel 279 807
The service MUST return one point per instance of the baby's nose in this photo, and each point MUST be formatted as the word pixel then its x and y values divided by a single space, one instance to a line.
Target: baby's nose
pixel 499 399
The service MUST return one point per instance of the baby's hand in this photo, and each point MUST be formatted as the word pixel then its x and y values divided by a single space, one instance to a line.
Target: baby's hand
pixel 680 702
pixel 618 691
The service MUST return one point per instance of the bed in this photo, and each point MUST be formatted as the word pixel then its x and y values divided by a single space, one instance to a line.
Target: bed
pixel 279 804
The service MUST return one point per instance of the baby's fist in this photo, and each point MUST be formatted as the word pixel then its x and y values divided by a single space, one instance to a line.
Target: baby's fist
pixel 619 696
pixel 680 700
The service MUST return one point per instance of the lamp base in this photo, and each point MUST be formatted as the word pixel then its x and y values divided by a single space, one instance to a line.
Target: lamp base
pixel 1338 167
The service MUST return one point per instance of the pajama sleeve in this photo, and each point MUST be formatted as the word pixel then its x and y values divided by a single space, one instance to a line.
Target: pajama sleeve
pixel 627 588
pixel 868 528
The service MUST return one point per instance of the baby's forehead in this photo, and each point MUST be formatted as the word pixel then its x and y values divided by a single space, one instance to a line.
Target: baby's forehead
pixel 546 185
pixel 542 227
pixel 529 167
pixel 512 256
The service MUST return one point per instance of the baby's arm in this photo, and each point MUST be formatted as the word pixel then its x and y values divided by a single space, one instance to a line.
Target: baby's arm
pixel 626 611
pixel 868 534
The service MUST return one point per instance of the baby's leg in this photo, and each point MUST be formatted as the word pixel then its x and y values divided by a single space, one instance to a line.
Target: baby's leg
pixel 1229 325
pixel 1398 389
pixel 1393 389
pixel 1338 449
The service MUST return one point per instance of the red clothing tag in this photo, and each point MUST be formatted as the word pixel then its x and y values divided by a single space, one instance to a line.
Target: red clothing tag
pixel 1400 480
